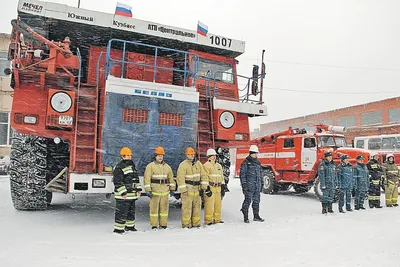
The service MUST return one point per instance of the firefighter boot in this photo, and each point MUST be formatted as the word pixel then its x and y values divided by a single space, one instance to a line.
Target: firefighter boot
pixel 341 210
pixel 378 204
pixel 330 210
pixel 257 217
pixel 323 208
pixel 245 216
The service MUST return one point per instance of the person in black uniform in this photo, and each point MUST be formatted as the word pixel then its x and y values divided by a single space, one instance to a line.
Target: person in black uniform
pixel 127 190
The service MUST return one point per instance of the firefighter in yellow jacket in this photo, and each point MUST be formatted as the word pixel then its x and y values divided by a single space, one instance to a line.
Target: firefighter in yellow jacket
pixel 191 178
pixel 391 175
pixel 158 182
pixel 212 198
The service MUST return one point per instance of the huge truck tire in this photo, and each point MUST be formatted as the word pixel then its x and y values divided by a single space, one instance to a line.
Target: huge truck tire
pixel 28 172
pixel 269 181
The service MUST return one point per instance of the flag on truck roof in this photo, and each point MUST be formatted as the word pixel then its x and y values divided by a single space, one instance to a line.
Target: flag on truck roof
pixel 202 29
pixel 123 10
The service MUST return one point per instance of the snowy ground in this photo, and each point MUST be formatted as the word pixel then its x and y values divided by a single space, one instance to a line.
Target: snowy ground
pixel 294 234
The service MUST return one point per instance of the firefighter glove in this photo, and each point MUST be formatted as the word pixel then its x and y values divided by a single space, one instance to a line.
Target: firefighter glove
pixel 208 191
pixel 149 194
pixel 223 188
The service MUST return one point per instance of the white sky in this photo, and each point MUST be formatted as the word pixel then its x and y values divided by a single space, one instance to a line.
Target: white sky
pixel 347 50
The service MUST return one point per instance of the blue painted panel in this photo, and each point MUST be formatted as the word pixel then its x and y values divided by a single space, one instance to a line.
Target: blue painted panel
pixel 143 138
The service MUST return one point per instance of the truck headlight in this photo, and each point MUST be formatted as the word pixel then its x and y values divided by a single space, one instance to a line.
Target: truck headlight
pixel 61 102
pixel 30 119
pixel 99 183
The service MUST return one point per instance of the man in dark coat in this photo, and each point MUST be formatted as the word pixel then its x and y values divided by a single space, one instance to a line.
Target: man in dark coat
pixel 345 182
pixel 361 177
pixel 327 178
pixel 252 183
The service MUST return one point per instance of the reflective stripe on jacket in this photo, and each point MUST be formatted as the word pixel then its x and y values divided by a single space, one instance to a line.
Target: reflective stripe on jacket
pixel 157 171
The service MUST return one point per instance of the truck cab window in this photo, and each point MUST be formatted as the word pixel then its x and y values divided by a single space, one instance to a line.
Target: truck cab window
pixel 288 143
pixel 221 71
pixel 309 142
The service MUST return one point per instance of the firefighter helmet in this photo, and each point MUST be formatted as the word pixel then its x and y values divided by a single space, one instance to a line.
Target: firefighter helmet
pixel 373 154
pixel 211 152
pixel 159 151
pixel 254 149
pixel 389 155
pixel 189 151
pixel 125 151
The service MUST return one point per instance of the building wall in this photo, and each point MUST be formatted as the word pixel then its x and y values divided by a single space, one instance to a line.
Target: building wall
pixel 5 96
pixel 380 117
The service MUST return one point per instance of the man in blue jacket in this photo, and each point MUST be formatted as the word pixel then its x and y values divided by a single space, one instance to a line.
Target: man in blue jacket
pixel 327 178
pixel 345 182
pixel 252 183
pixel 361 176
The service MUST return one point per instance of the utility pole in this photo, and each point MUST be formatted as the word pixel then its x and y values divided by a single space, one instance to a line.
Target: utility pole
pixel 79 3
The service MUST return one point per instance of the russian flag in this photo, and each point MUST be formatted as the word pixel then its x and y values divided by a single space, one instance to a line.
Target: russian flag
pixel 202 29
pixel 123 10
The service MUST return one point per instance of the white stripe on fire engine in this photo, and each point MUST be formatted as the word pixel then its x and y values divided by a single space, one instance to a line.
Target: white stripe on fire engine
pixel 270 155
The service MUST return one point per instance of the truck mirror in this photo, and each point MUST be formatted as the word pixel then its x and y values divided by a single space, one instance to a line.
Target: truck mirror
pixel 254 84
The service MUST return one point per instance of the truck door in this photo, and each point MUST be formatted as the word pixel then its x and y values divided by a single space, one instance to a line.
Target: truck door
pixel 308 153
pixel 286 153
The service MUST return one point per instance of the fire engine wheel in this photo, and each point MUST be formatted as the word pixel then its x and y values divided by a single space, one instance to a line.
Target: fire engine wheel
pixel 28 172
pixel 269 182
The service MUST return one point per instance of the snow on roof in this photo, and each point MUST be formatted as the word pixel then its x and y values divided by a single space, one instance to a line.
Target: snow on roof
pixel 95 18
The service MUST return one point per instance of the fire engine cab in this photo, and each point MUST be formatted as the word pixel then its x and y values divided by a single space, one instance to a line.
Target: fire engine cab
pixel 290 158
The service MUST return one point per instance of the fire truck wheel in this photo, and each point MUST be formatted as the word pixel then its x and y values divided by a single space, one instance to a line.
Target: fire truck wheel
pixel 28 172
pixel 269 182
pixel 317 189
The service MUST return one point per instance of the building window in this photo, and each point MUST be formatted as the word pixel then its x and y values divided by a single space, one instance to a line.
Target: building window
pixel 394 115
pixel 4 63
pixel 348 121
pixel 371 118
pixel 288 143
pixel 327 122
pixel 134 115
pixel 5 129
pixel 170 119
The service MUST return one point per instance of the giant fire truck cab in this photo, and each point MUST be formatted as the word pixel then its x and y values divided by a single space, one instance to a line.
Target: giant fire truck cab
pixel 112 82
pixel 291 157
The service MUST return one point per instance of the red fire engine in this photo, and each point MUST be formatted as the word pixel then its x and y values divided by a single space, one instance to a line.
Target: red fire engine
pixel 291 157
pixel 77 102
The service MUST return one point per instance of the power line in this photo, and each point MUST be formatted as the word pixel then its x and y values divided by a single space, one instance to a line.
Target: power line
pixel 322 65
pixel 328 92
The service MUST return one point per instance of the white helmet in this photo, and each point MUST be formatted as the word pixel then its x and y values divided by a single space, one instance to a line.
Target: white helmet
pixel 253 148
pixel 389 155
pixel 373 154
pixel 211 152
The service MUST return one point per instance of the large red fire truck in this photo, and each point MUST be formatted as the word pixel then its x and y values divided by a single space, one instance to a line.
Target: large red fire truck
pixel 290 158
pixel 110 81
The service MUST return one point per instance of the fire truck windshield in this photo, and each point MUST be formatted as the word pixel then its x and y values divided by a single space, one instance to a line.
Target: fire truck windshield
pixel 220 70
pixel 331 141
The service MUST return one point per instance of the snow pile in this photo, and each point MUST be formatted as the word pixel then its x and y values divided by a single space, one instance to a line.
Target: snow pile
pixel 79 233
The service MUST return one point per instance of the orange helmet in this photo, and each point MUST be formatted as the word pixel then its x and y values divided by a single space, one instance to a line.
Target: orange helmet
pixel 159 151
pixel 189 151
pixel 125 151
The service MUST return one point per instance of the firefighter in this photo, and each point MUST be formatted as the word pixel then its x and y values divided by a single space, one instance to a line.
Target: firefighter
pixel 375 181
pixel 345 182
pixel 252 183
pixel 127 189
pixel 158 183
pixel 212 199
pixel 327 179
pixel 391 174
pixel 191 178
pixel 361 178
